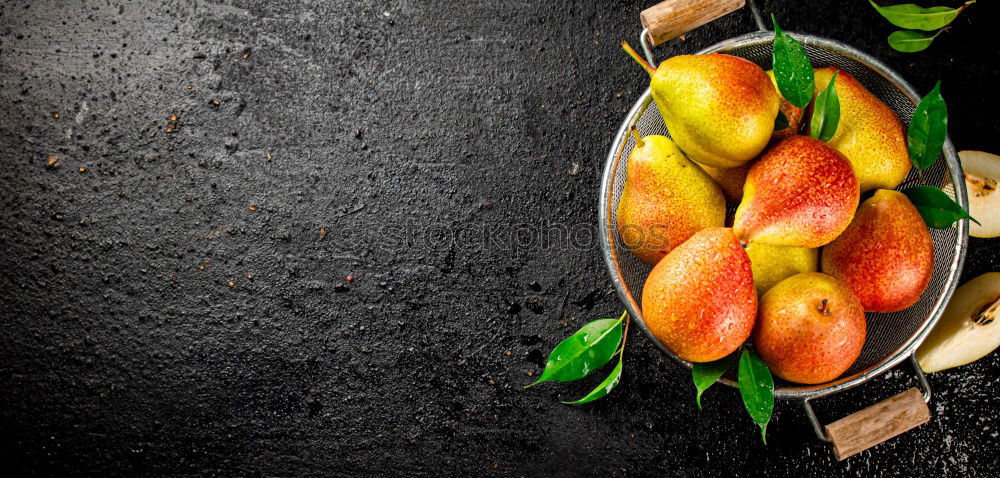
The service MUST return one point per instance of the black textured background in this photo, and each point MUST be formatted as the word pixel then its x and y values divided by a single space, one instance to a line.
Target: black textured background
pixel 352 139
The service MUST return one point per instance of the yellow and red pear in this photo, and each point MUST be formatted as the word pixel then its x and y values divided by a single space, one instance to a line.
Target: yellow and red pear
pixel 699 300
pixel 886 256
pixel 800 193
pixel 666 199
pixel 719 108
pixel 810 328
pixel 869 133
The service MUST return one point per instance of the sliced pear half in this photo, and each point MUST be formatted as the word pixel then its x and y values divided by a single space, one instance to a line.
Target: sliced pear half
pixel 982 173
pixel 968 329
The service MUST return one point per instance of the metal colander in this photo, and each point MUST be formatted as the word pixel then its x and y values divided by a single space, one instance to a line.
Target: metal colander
pixel 891 337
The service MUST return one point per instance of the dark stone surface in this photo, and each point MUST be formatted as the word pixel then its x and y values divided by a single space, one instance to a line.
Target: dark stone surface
pixel 181 302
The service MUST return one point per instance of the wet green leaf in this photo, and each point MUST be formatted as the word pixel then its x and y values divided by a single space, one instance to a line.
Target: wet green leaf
pixel 826 112
pixel 938 210
pixel 780 121
pixel 792 70
pixel 583 352
pixel 911 41
pixel 705 374
pixel 757 390
pixel 604 387
pixel 928 129
pixel 919 18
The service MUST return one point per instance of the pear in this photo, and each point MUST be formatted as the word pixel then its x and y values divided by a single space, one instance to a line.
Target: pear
pixel 810 328
pixel 800 193
pixel 730 180
pixel 666 199
pixel 967 330
pixel 869 133
pixel 886 256
pixel 720 109
pixel 792 113
pixel 699 301
pixel 773 264
pixel 982 171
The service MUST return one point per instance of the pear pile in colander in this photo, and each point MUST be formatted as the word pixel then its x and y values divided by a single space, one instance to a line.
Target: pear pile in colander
pixel 793 194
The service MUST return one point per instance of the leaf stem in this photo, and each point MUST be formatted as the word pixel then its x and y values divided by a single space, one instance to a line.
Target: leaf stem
pixel 640 60
pixel 621 350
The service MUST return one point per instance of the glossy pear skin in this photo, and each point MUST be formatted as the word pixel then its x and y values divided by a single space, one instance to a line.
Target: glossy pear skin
pixel 886 256
pixel 699 300
pixel 803 339
pixel 773 264
pixel 720 109
pixel 800 193
pixel 730 180
pixel 869 134
pixel 666 199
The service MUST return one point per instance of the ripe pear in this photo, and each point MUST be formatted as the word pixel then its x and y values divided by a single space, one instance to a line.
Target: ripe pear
pixel 810 328
pixel 968 329
pixel 666 199
pixel 720 109
pixel 869 134
pixel 792 113
pixel 886 256
pixel 730 180
pixel 699 301
pixel 773 264
pixel 800 193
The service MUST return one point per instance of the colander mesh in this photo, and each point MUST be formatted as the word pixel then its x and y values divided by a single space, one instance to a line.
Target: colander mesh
pixel 886 332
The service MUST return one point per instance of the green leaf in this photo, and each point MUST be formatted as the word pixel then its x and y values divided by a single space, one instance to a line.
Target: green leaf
pixel 604 387
pixel 826 112
pixel 583 352
pixel 918 18
pixel 757 390
pixel 792 70
pixel 780 121
pixel 938 210
pixel 705 374
pixel 911 41
pixel 928 128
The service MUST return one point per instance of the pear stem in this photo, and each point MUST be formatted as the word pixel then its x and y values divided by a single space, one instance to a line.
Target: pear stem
pixel 909 181
pixel 638 59
pixel 638 139
pixel 823 308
